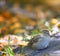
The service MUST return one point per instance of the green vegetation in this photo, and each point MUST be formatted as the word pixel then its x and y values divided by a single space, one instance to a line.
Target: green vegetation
pixel 8 49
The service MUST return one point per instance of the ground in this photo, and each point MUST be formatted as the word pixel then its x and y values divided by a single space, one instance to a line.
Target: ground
pixel 52 50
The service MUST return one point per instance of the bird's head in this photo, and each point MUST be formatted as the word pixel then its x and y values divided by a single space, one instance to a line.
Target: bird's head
pixel 45 32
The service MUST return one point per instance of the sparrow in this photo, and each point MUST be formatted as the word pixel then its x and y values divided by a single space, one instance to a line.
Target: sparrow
pixel 40 41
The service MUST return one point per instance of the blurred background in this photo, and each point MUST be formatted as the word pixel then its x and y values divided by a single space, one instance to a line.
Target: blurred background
pixel 24 16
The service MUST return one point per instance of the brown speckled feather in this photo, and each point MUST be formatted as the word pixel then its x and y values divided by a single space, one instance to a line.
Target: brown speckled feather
pixel 34 40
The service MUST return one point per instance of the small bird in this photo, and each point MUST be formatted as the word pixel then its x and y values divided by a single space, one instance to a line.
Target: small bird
pixel 40 41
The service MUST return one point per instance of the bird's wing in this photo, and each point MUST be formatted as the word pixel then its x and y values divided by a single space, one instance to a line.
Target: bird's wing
pixel 34 40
